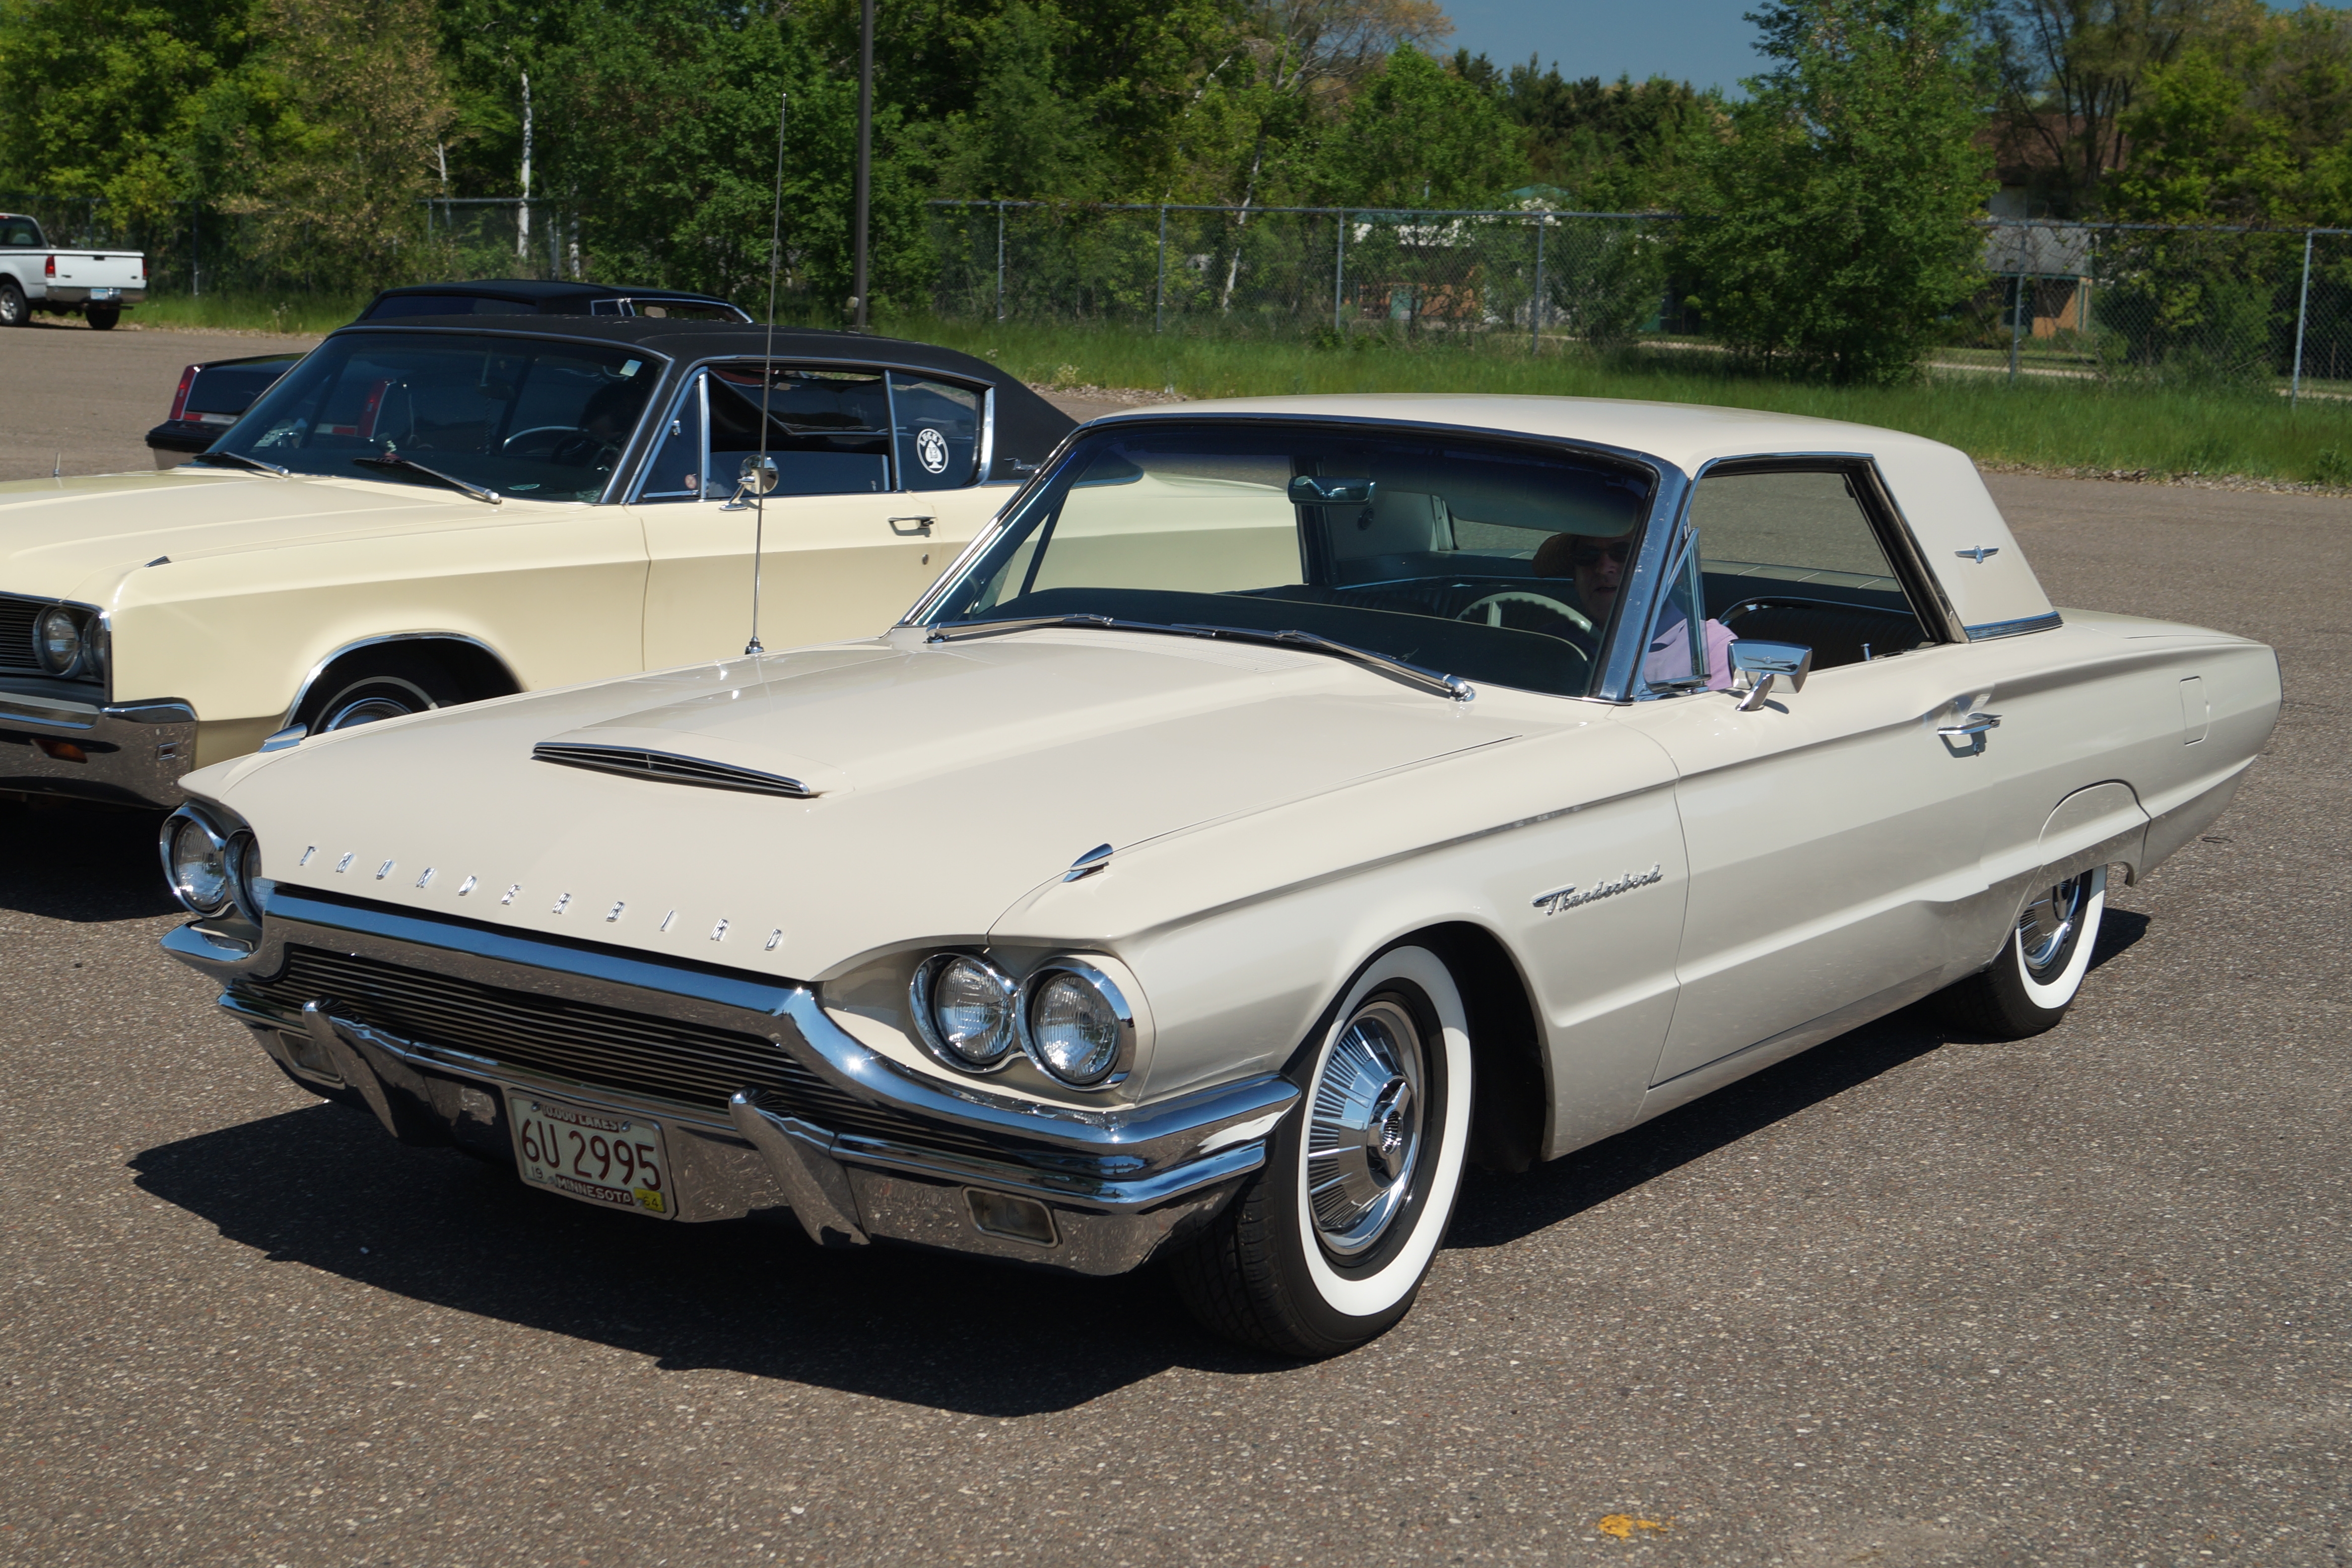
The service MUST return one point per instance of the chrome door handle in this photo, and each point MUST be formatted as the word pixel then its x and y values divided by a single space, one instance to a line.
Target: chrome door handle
pixel 923 526
pixel 1975 724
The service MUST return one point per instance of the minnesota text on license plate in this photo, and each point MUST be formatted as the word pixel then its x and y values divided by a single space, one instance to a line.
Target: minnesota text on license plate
pixel 612 1157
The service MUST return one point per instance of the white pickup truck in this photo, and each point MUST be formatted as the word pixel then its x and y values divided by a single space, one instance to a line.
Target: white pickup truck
pixel 35 276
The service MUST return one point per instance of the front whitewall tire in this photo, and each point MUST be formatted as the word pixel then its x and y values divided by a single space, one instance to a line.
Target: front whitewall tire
pixel 1369 1295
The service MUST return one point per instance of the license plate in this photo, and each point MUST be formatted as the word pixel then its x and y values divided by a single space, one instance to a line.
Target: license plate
pixel 104 293
pixel 612 1157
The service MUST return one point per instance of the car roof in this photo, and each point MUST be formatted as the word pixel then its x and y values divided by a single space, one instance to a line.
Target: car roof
pixel 1688 435
pixel 543 290
pixel 1026 423
pixel 702 340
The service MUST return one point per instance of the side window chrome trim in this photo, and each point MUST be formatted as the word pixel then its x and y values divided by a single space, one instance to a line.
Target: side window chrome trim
pixel 690 387
pixel 2019 628
pixel 1888 526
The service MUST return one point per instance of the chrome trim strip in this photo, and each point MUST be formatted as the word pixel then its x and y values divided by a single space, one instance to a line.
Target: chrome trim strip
pixel 2018 628
pixel 1109 1142
pixel 319 668
pixel 668 768
pixel 986 462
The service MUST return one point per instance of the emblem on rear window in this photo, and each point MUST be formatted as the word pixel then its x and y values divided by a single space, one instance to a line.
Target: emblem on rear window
pixel 931 450
pixel 1567 897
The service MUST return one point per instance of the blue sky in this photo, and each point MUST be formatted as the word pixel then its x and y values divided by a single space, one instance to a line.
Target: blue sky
pixel 1703 42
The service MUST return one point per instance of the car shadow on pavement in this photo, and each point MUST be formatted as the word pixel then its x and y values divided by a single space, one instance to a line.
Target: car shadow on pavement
pixel 323 1188
pixel 1496 1210
pixel 67 861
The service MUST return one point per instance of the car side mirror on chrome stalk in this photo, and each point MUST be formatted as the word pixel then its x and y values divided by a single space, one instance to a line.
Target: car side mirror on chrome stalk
pixel 759 476
pixel 1755 665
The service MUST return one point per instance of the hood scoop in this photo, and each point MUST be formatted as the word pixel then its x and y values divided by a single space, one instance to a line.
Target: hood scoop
pixel 668 768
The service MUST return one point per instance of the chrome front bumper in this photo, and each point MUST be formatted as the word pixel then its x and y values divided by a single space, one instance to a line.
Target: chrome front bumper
pixel 130 754
pixel 1105 1189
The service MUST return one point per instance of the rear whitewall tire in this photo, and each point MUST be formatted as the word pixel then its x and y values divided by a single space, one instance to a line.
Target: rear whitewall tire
pixel 2039 972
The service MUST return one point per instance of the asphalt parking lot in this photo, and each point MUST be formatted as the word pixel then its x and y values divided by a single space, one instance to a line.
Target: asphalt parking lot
pixel 1909 1298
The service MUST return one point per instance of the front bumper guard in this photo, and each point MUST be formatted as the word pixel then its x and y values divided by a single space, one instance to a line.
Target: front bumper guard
pixel 1110 1188
pixel 130 754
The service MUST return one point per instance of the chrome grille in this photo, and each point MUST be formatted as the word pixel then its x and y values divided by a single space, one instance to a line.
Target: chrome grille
pixel 16 636
pixel 667 768
pixel 672 1058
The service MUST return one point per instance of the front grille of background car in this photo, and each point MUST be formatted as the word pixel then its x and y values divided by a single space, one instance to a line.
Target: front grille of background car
pixel 648 1054
pixel 16 636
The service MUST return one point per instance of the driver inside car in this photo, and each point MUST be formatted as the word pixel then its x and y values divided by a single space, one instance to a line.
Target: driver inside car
pixel 604 425
pixel 1598 566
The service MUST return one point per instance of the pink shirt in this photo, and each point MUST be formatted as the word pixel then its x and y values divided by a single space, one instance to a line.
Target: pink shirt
pixel 1664 660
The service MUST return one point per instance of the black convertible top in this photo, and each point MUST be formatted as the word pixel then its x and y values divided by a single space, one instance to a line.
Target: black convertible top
pixel 1027 427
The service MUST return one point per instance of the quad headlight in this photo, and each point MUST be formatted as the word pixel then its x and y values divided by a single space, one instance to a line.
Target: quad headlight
pixel 1067 1017
pixel 60 640
pixel 1074 1023
pixel 212 869
pixel 964 1009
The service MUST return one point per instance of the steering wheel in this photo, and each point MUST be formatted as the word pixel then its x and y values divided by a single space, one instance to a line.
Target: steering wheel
pixel 1489 609
pixel 570 444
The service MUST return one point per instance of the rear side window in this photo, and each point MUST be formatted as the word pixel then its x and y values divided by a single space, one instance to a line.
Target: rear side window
pixel 937 432
pixel 22 232
pixel 1792 554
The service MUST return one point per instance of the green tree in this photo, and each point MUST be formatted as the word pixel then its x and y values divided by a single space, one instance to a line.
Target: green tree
pixel 1835 221
pixel 1621 146
pixel 1416 134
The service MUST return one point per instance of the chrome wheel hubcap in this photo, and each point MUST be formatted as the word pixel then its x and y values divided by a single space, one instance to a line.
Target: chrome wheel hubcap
pixel 1364 1126
pixel 2049 923
pixel 367 710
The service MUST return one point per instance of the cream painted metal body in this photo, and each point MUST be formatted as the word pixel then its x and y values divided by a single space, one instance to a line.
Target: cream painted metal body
pixel 1682 891
pixel 219 598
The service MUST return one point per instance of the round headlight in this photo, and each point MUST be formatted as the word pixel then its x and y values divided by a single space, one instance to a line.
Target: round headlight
pixel 244 868
pixel 1079 1025
pixel 966 1007
pixel 57 640
pixel 197 865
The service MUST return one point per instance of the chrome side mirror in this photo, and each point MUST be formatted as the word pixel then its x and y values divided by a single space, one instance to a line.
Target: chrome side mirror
pixel 1755 665
pixel 759 475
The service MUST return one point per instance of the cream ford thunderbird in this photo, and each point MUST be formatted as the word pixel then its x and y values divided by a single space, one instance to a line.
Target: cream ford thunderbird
pixel 1280 805
pixel 423 514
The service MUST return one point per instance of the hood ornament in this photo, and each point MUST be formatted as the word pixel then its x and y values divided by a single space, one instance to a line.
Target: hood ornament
pixel 1086 865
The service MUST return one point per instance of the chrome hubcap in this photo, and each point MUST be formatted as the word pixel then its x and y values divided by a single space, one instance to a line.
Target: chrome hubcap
pixel 1363 1128
pixel 367 710
pixel 2049 923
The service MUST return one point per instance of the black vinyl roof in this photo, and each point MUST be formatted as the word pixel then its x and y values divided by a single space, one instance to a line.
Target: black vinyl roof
pixel 544 291
pixel 1027 427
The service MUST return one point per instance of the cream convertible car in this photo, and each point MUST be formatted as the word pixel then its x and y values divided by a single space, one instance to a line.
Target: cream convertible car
pixel 1283 803
pixel 429 510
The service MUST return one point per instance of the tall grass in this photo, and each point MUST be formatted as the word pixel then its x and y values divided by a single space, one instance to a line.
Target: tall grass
pixel 305 314
pixel 2040 421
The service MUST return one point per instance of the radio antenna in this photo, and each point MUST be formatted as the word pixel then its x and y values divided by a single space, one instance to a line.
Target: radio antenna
pixel 759 485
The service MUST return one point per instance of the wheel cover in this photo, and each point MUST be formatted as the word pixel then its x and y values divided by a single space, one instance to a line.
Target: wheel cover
pixel 1363 1129
pixel 2046 931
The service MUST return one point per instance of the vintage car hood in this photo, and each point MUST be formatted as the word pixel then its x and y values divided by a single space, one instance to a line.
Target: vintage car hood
pixel 950 780
pixel 75 538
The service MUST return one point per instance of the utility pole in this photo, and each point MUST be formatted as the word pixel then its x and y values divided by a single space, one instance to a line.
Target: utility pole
pixel 522 231
pixel 865 154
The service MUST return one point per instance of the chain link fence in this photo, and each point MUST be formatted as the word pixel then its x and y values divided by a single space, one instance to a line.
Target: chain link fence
pixel 194 248
pixel 2088 302
pixel 1316 271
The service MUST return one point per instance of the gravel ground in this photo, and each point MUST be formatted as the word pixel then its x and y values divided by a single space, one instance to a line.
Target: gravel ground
pixel 1909 1298
pixel 83 401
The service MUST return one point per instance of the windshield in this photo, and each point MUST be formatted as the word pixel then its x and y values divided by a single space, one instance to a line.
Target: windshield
pixel 1472 558
pixel 541 421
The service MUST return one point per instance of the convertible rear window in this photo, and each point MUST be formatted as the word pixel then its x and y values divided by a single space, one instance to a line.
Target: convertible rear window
pixel 1474 558
pixel 521 417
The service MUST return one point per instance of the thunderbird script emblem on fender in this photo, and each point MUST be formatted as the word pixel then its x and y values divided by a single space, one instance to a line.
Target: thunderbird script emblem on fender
pixel 1567 897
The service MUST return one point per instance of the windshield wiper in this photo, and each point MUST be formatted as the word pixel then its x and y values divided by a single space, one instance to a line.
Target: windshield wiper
pixel 242 461
pixel 395 461
pixel 1428 680
pixel 1435 681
